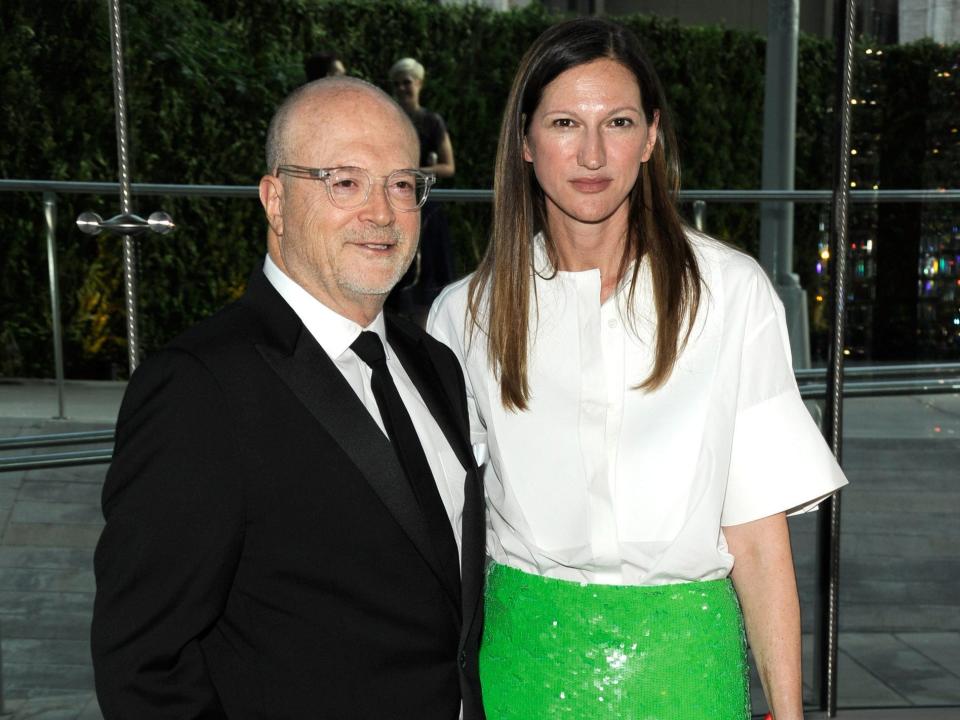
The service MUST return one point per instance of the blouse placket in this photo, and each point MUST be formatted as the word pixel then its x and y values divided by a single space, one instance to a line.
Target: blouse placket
pixel 598 420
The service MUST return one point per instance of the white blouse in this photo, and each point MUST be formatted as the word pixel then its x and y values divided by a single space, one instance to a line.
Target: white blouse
pixel 599 482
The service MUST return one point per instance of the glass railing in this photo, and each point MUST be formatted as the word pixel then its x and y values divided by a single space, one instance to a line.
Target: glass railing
pixel 899 619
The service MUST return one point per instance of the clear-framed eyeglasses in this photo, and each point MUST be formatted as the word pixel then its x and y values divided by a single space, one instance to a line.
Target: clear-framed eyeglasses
pixel 349 187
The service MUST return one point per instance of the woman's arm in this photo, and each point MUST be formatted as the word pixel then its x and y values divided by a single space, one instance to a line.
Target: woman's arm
pixel 444 167
pixel 764 579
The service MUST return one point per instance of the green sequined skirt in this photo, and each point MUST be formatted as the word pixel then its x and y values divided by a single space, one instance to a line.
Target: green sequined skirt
pixel 559 648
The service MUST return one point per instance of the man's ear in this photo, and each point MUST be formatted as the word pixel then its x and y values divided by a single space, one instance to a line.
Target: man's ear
pixel 271 197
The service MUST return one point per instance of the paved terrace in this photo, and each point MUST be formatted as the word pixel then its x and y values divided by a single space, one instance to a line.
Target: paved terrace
pixel 900 599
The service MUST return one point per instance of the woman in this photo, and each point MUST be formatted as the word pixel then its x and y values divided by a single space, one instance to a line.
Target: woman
pixel 433 266
pixel 631 382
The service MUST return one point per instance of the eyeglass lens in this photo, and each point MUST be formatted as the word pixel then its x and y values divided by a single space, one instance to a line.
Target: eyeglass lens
pixel 350 187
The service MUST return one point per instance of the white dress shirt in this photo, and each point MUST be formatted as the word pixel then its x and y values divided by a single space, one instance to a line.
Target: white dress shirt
pixel 335 334
pixel 600 482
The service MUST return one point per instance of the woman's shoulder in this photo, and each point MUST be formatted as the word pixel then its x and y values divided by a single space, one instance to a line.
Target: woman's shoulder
pixel 447 318
pixel 454 295
pixel 429 119
pixel 721 262
pixel 720 254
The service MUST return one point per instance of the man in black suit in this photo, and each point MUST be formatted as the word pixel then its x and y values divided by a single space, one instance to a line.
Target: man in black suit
pixel 294 517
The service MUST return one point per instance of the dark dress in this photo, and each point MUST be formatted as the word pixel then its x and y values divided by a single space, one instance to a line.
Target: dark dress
pixel 432 269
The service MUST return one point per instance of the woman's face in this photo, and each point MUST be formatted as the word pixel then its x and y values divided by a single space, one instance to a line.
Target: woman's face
pixel 587 139
pixel 406 88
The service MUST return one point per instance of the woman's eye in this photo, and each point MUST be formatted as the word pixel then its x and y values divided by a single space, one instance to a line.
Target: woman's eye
pixel 563 123
pixel 621 122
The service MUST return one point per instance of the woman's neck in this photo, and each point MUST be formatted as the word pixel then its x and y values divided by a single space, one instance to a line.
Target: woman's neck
pixel 581 246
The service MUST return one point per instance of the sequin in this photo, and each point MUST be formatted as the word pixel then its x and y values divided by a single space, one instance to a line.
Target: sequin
pixel 553 648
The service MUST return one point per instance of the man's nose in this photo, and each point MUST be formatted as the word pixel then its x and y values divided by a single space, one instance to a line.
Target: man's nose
pixel 377 208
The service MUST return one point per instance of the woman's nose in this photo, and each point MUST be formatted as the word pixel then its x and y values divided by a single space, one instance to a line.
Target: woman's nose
pixel 592 154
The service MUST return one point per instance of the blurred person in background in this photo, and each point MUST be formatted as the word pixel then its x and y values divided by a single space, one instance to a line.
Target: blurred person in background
pixel 433 268
pixel 323 64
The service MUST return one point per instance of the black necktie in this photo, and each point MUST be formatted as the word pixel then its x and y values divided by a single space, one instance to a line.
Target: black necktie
pixel 406 444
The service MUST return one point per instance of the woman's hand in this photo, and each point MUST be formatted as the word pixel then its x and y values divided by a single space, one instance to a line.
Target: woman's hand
pixel 444 166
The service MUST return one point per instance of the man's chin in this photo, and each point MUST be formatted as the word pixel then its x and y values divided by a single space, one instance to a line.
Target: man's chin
pixel 368 288
pixel 378 283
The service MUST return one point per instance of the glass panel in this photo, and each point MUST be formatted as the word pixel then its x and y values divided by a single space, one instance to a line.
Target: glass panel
pixel 899 611
pixel 900 573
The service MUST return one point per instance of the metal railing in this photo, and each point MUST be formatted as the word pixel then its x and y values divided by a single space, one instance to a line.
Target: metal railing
pixel 51 188
pixel 884 380
pixel 53 440
pixel 862 381
pixel 70 458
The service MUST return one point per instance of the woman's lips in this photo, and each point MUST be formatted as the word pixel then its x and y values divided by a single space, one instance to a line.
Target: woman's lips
pixel 591 185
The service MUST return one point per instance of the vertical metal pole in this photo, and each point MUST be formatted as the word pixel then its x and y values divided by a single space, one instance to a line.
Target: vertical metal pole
pixel 126 206
pixel 699 215
pixel 828 520
pixel 779 136
pixel 50 218
pixel 779 169
pixel 2 711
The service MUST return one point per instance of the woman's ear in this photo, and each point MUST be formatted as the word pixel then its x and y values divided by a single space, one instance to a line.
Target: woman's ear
pixel 653 132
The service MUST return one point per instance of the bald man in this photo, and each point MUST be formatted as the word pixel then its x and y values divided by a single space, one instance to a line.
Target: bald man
pixel 294 524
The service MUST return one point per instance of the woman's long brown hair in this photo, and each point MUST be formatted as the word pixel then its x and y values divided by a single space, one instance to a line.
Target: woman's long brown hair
pixel 499 292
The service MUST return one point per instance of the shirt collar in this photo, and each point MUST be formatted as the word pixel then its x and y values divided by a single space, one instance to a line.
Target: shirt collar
pixel 333 331
pixel 544 268
pixel 541 260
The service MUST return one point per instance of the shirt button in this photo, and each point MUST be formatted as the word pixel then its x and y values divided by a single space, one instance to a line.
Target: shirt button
pixel 592 408
pixel 612 323
pixel 463 659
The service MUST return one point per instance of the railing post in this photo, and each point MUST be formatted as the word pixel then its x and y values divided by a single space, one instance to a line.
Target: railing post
pixel 130 263
pixel 2 711
pixel 828 519
pixel 50 220
pixel 700 215
pixel 778 169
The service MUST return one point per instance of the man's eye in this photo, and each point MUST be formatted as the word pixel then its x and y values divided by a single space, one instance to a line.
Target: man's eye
pixel 405 190
pixel 345 184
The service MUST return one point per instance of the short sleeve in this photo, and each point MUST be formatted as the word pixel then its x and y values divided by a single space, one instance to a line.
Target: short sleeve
pixel 779 460
pixel 447 322
pixel 440 127
pixel 431 129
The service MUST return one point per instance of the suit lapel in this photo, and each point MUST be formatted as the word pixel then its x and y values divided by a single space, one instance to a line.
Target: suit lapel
pixel 316 382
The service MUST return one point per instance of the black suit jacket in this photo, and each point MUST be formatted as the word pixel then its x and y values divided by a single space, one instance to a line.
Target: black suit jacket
pixel 263 555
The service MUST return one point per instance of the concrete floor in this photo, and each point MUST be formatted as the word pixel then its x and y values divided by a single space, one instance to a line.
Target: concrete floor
pixel 900 597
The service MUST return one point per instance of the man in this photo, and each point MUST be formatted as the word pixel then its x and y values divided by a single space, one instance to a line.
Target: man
pixel 323 64
pixel 268 551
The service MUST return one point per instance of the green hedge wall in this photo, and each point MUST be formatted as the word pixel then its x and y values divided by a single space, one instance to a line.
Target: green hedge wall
pixel 203 79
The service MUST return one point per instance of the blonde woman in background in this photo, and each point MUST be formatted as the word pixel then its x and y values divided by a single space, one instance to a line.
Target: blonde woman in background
pixel 433 267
